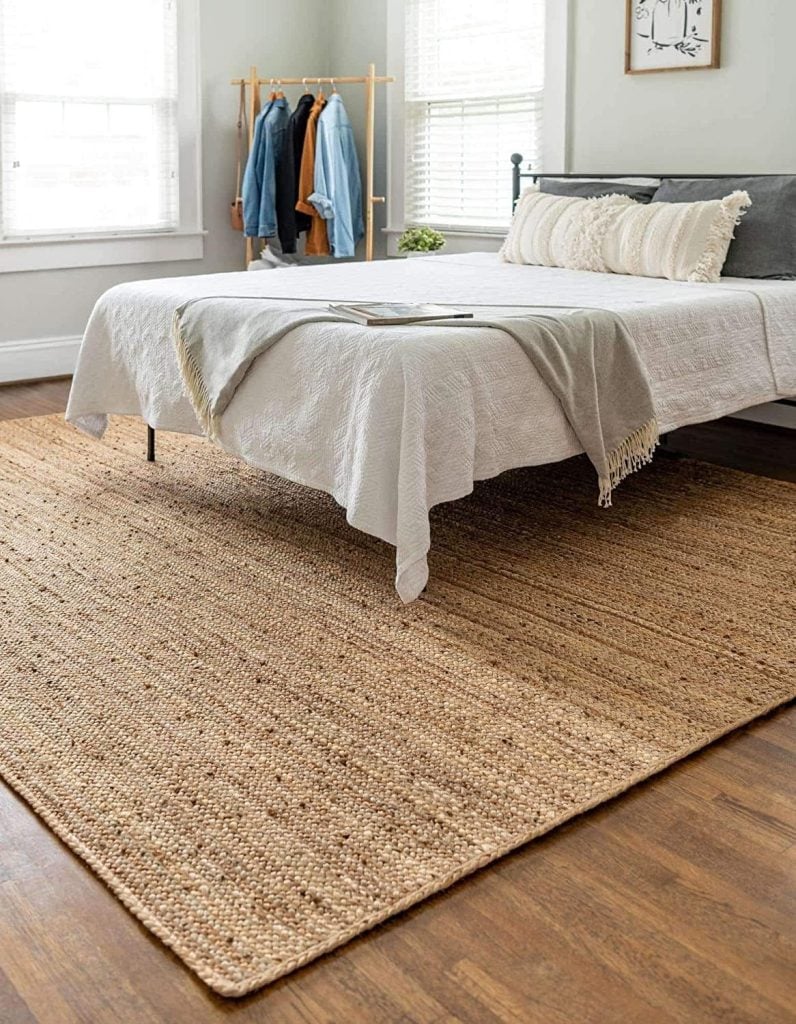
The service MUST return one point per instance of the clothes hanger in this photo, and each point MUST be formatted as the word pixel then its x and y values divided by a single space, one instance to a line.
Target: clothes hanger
pixel 272 93
pixel 280 93
pixel 306 87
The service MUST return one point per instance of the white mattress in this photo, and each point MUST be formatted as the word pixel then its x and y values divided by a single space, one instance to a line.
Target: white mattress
pixel 391 421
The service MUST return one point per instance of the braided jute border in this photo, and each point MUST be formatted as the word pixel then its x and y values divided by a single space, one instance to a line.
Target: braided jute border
pixel 226 987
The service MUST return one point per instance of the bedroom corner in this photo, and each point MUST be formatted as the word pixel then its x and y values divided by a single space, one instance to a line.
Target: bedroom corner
pixel 397 511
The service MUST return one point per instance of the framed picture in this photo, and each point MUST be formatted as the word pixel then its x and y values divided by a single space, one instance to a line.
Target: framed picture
pixel 672 35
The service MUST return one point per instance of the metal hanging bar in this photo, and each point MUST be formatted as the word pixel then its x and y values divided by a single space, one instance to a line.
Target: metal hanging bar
pixel 310 80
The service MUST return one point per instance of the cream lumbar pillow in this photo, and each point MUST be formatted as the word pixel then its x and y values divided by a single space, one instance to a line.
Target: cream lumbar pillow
pixel 679 241
pixel 615 234
pixel 561 231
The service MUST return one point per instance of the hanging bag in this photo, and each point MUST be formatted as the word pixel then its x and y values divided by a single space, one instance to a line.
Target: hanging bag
pixel 236 206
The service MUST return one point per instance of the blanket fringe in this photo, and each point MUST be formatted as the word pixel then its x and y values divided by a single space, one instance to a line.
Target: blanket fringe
pixel 634 452
pixel 192 376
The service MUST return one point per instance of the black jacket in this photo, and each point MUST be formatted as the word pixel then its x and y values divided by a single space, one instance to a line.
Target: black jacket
pixel 291 222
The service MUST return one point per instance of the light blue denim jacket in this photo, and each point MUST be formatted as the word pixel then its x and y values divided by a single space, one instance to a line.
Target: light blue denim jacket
pixel 338 187
pixel 259 179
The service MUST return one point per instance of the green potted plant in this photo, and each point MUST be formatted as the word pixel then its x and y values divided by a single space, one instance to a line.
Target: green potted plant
pixel 420 241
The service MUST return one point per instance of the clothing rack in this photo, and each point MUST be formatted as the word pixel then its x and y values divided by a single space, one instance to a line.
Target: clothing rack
pixel 254 83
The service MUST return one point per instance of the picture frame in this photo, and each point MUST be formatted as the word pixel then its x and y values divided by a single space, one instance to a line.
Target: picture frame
pixel 672 35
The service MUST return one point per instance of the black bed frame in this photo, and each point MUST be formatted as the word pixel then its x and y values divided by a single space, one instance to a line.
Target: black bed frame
pixel 150 443
pixel 517 176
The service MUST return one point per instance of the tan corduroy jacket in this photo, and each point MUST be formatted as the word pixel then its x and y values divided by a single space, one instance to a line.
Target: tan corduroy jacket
pixel 317 243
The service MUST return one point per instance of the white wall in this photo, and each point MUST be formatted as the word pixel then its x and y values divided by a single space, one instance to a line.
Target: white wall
pixel 281 38
pixel 740 117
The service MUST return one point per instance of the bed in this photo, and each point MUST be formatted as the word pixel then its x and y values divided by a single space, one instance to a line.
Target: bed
pixel 392 421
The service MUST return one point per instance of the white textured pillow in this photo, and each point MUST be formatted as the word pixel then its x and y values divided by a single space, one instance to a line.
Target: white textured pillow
pixel 561 231
pixel 679 241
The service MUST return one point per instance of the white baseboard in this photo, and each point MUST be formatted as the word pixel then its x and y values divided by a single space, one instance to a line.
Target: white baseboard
pixel 777 414
pixel 36 358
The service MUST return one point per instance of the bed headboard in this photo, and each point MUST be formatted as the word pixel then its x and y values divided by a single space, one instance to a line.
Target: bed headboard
pixel 532 175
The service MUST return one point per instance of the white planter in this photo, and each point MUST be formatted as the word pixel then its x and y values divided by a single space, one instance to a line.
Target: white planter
pixel 412 255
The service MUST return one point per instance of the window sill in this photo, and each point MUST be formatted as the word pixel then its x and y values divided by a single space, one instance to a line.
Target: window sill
pixel 116 250
pixel 455 232
pixel 456 241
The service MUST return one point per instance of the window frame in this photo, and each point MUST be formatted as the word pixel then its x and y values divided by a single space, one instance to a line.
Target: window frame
pixel 556 106
pixel 186 242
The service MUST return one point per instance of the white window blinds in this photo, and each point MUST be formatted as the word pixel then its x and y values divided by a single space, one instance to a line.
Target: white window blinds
pixel 88 117
pixel 474 78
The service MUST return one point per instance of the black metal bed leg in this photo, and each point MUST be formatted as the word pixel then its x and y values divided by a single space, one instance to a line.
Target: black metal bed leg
pixel 150 444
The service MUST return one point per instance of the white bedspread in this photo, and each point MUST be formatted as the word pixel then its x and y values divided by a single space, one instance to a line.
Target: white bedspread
pixel 391 421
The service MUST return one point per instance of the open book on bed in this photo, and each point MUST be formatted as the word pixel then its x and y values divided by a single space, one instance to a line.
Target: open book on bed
pixel 375 314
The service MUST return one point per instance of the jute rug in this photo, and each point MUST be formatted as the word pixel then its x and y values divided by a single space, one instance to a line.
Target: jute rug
pixel 211 693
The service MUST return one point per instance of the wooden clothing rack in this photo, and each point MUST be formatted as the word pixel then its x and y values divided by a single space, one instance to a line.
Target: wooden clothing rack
pixel 254 83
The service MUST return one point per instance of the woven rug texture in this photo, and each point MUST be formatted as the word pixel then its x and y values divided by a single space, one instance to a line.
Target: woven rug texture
pixel 210 691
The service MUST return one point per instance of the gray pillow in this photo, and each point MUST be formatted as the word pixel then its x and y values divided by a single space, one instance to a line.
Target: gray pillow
pixel 765 240
pixel 595 189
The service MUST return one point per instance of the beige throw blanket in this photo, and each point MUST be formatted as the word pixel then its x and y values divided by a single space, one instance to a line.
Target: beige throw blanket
pixel 586 357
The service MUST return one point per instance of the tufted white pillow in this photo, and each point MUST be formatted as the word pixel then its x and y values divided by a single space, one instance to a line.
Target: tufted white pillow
pixel 561 231
pixel 679 241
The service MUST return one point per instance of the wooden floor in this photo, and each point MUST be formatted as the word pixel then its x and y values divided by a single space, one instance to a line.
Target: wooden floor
pixel 673 903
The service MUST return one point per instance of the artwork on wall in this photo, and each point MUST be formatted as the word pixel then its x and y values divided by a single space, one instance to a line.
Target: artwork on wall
pixel 672 35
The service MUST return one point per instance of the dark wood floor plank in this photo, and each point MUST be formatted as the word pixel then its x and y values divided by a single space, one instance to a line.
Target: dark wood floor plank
pixel 736 850
pixel 674 903
pixel 36 399
pixel 783 734
pixel 724 877
pixel 13 1007
pixel 714 921
pixel 754 760
pixel 374 963
pixel 769 750
pixel 570 905
pixel 501 1000
pixel 772 811
pixel 630 935
pixel 542 950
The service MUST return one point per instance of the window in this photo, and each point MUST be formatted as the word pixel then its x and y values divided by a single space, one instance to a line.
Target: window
pixel 92 112
pixel 474 93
